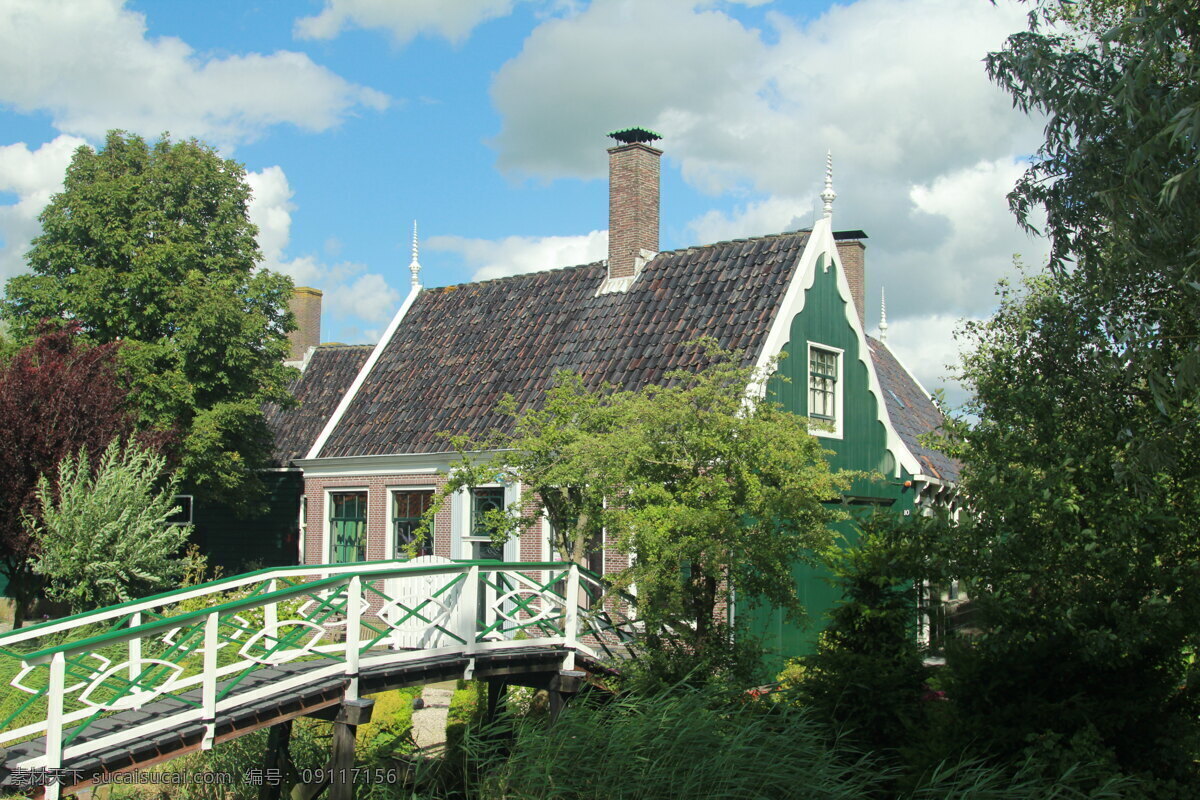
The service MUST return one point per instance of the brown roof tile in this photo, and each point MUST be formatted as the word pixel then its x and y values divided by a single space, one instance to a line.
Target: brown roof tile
pixel 912 412
pixel 461 348
pixel 330 371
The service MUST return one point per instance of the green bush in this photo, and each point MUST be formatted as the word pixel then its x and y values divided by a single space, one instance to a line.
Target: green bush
pixel 389 733
pixel 867 678
pixel 104 538
pixel 468 704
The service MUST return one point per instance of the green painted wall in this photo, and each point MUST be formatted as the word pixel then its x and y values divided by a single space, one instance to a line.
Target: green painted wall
pixel 862 447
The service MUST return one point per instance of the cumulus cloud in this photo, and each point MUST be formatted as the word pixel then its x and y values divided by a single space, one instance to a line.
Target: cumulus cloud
pixel 925 148
pixel 352 295
pixel 926 345
pixel 34 176
pixel 405 21
pixel 516 255
pixel 90 65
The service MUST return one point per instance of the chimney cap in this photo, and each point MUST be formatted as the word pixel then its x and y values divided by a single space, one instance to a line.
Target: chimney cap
pixel 632 135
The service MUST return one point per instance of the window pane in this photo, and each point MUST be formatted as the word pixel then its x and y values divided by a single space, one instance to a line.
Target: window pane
pixel 408 509
pixel 348 526
pixel 822 383
pixel 483 501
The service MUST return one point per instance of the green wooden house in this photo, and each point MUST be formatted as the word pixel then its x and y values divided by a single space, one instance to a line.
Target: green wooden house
pixel 450 354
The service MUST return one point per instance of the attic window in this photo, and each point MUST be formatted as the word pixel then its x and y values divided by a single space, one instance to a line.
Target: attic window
pixel 825 389
pixel 822 383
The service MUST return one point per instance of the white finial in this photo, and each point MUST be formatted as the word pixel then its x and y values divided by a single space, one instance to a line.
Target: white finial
pixel 415 266
pixel 883 326
pixel 829 195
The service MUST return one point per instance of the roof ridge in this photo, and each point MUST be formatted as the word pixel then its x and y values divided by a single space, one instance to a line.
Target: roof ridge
pixel 515 277
pixel 600 263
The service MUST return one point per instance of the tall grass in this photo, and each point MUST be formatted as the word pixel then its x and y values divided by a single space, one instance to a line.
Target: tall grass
pixel 683 744
pixel 702 745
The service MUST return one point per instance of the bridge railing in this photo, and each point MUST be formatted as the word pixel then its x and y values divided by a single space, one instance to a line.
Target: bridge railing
pixel 202 646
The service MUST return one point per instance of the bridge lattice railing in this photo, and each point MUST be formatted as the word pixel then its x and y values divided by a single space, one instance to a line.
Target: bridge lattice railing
pixel 198 645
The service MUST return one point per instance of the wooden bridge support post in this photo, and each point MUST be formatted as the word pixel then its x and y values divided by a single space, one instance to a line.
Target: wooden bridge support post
pixel 563 686
pixel 497 695
pixel 277 759
pixel 354 712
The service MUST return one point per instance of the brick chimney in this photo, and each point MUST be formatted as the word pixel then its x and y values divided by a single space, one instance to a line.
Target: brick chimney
pixel 852 253
pixel 632 201
pixel 306 306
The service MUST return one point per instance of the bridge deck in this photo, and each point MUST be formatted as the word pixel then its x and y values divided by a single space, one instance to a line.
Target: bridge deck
pixel 134 685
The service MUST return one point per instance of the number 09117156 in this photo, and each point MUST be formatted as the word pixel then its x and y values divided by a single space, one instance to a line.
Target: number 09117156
pixel 362 775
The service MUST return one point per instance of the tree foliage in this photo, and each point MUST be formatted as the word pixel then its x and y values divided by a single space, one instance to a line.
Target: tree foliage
pixel 151 246
pixel 102 535
pixel 58 396
pixel 714 491
pixel 1084 547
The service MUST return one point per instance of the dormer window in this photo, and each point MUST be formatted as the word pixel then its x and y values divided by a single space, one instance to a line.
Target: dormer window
pixel 825 389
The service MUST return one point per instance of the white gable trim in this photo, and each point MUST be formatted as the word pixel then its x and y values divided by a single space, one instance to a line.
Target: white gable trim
pixel 348 398
pixel 821 242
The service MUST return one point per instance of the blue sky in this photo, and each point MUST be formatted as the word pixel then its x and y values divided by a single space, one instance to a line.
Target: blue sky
pixel 485 119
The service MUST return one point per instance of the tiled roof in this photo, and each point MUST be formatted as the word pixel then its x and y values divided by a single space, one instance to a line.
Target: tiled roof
pixel 330 370
pixel 462 348
pixel 912 412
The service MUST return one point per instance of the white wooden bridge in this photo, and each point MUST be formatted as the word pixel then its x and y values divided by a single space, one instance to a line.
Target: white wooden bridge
pixel 136 684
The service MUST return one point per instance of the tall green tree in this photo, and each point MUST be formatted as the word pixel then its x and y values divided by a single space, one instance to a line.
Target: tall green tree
pixel 714 489
pixel 152 246
pixel 1084 545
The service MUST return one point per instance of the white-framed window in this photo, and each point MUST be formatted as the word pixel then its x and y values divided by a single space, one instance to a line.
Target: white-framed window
pixel 346 525
pixel 825 380
pixel 409 505
pixel 482 500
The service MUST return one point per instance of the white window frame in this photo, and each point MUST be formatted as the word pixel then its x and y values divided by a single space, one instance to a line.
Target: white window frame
pixel 391 519
pixel 462 503
pixel 839 407
pixel 326 533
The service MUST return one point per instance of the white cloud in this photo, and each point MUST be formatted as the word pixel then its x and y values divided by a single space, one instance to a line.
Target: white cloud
pixel 90 65
pixel 368 299
pixel 925 148
pixel 34 176
pixel 351 295
pixel 405 20
pixel 772 215
pixel 926 345
pixel 516 255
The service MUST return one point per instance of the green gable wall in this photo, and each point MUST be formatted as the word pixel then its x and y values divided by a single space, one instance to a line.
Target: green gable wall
pixel 862 447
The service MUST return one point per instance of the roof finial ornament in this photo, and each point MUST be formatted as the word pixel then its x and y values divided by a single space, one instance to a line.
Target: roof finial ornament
pixel 829 195
pixel 883 325
pixel 414 266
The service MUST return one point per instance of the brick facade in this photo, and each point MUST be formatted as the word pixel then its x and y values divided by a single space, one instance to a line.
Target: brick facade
pixel 306 307
pixel 633 187
pixel 853 255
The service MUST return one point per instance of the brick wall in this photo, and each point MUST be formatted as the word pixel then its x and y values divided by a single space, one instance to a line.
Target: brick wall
pixel 379 516
pixel 853 255
pixel 632 206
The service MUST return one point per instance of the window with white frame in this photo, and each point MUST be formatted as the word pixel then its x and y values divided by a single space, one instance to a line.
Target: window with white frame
pixel 408 510
pixel 483 500
pixel 824 386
